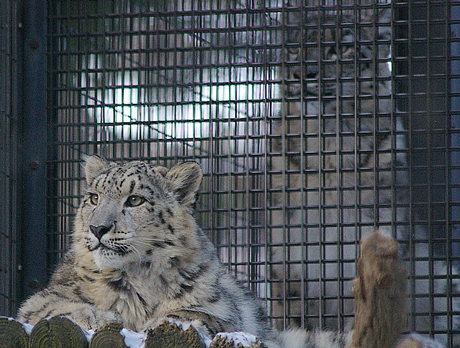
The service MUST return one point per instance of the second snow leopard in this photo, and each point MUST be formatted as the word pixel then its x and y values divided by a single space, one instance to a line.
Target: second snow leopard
pixel 341 172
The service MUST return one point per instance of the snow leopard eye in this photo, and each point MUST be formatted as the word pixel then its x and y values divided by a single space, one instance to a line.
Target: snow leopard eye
pixel 134 201
pixel 94 198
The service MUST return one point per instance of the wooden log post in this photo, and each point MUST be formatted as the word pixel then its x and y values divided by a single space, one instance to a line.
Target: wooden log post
pixel 57 332
pixel 108 336
pixel 170 335
pixel 12 334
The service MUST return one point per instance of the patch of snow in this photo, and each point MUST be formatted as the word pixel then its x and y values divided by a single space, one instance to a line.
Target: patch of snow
pixel 89 334
pixel 134 339
pixel 181 324
pixel 206 340
pixel 28 328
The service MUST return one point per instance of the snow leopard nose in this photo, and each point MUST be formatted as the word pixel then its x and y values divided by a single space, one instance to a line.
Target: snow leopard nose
pixel 99 231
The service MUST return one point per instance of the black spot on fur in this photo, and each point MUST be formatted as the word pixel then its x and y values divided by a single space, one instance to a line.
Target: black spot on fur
pixel 186 287
pixel 150 190
pixel 183 240
pixel 144 303
pixel 105 181
pixel 146 264
pixel 48 314
pixel 178 295
pixel 78 292
pixel 215 297
pixel 96 181
pixel 163 280
pixel 28 314
pixel 121 249
pixel 131 186
pixel 160 216
pixel 63 282
pixel 158 244
pixel 94 271
pixel 261 314
pixel 174 261
pixel 149 252
pixel 88 278
pixel 119 285
pixel 170 229
pixel 191 276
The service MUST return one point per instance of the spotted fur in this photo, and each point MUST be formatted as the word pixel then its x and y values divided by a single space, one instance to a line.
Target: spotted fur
pixel 139 256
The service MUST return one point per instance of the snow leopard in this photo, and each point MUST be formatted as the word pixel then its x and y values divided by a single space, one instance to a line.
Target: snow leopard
pixel 139 257
pixel 341 170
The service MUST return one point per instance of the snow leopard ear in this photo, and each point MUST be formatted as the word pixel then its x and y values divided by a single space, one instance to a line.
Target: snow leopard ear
pixel 94 165
pixel 185 180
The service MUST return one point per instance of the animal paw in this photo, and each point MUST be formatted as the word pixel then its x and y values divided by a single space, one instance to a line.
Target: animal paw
pixel 90 318
pixel 172 335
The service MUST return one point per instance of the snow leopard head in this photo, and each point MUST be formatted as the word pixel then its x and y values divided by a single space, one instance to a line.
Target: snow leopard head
pixel 135 212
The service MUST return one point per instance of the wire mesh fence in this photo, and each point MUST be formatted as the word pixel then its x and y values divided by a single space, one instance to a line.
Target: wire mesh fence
pixel 314 122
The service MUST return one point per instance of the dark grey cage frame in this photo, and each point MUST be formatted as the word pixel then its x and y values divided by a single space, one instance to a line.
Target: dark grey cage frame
pixel 75 80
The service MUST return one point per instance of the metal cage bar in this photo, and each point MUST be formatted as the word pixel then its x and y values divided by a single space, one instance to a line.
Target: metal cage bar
pixel 9 278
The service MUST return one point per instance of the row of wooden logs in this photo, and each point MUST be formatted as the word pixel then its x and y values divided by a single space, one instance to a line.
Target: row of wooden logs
pixel 379 290
pixel 60 332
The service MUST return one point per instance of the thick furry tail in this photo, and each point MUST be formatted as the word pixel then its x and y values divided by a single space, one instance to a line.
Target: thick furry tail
pixel 380 294
pixel 380 298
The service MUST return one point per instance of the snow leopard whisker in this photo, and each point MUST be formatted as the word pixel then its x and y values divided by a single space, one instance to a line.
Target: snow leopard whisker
pixel 135 250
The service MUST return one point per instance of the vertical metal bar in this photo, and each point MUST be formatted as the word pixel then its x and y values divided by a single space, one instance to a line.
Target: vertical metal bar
pixel 453 144
pixel 455 127
pixel 33 154
pixel 8 158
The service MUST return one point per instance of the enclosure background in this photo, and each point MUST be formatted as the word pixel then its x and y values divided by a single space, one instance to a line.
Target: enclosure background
pixel 193 80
